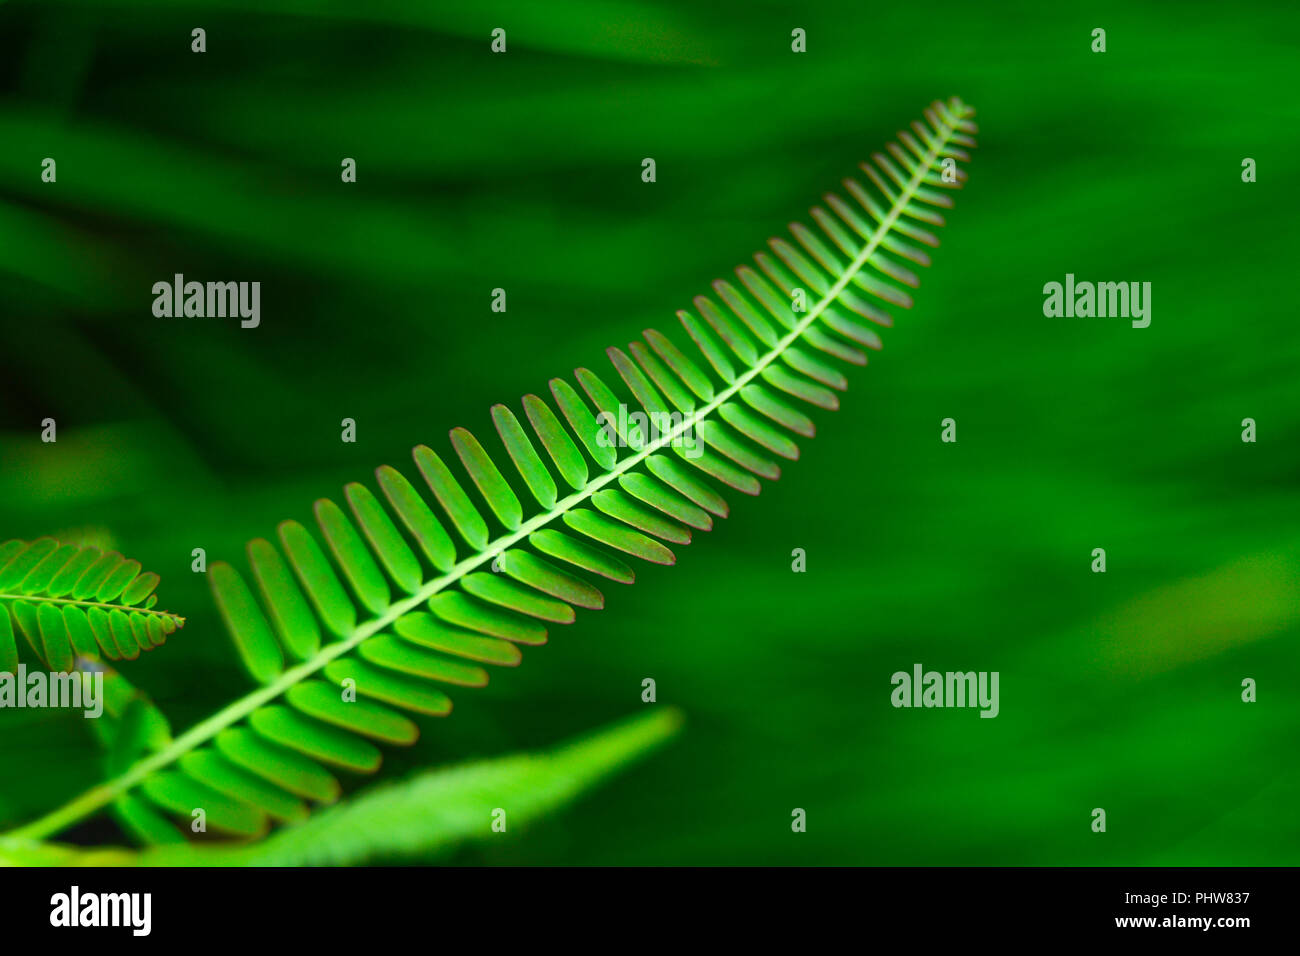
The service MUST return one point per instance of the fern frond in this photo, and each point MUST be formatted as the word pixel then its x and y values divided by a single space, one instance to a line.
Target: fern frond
pixel 72 600
pixel 401 598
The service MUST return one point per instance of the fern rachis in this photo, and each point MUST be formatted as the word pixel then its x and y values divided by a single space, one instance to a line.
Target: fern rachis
pixel 485 618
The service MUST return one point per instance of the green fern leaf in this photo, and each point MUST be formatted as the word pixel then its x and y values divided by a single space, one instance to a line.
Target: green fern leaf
pixel 399 607
pixel 71 601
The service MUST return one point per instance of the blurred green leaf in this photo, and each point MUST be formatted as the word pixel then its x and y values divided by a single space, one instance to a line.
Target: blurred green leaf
pixel 431 812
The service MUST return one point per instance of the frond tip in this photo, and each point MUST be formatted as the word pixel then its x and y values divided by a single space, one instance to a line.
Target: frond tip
pixel 73 601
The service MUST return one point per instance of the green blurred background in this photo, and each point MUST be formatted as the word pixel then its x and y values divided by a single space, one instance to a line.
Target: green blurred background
pixel 522 171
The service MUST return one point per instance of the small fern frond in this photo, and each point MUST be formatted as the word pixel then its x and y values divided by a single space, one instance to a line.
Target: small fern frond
pixel 402 599
pixel 72 600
